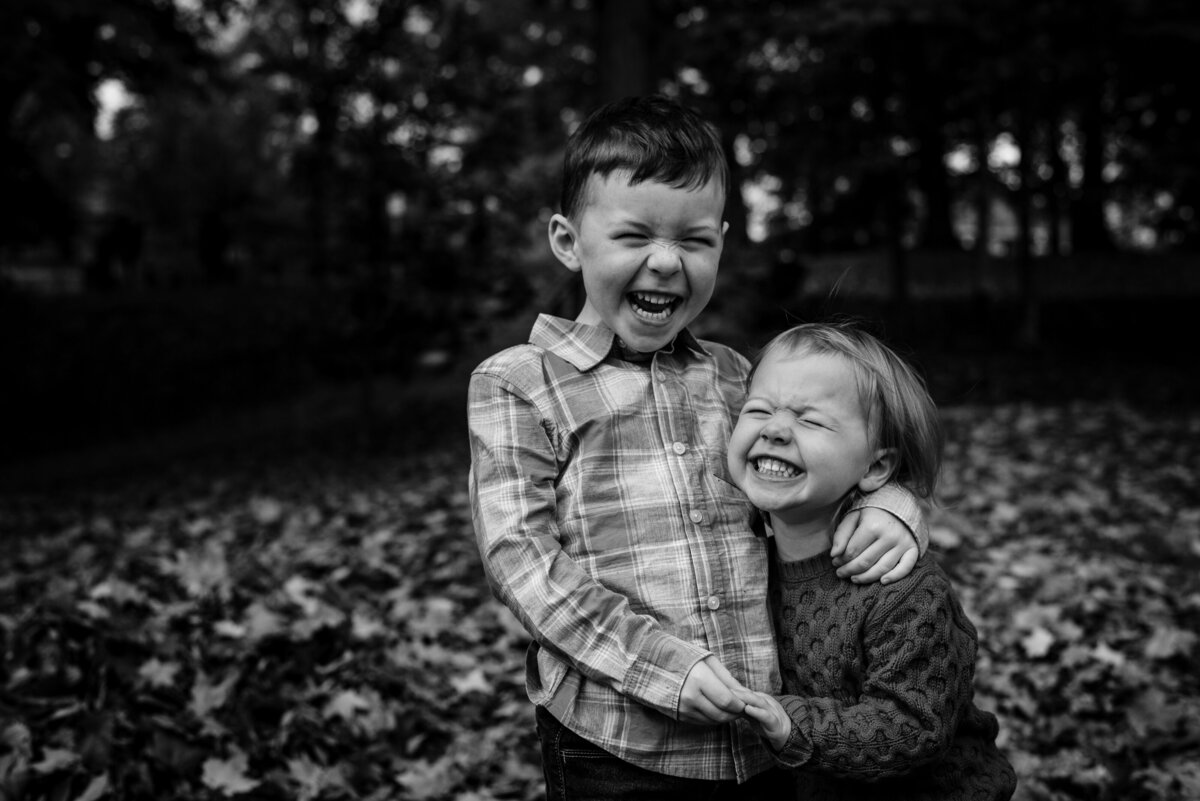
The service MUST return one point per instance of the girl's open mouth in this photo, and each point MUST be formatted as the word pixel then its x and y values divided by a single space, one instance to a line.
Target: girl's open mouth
pixel 770 467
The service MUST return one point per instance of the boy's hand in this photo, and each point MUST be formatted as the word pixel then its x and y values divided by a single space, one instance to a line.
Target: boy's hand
pixel 873 545
pixel 710 694
pixel 768 717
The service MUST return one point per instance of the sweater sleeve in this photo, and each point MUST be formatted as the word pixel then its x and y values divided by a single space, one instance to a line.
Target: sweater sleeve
pixel 920 656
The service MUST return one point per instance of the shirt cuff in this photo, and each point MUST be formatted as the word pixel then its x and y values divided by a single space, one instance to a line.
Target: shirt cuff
pixel 656 676
pixel 898 501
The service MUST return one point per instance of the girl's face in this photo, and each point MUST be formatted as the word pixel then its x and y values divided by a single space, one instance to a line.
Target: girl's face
pixel 801 442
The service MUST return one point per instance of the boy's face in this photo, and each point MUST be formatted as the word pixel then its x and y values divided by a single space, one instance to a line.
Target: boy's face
pixel 648 253
pixel 801 441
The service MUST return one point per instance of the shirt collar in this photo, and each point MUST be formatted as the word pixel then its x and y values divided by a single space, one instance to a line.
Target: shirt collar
pixel 584 346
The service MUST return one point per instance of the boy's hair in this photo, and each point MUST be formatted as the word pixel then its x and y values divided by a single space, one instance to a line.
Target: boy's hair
pixel 653 137
pixel 896 404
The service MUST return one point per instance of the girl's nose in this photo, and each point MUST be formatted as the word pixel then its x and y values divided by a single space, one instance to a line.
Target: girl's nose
pixel 775 430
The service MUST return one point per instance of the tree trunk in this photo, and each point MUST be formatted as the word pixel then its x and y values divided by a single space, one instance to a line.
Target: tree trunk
pixel 625 44
pixel 983 210
pixel 735 204
pixel 1089 231
pixel 1057 186
pixel 319 183
pixel 935 187
pixel 894 219
pixel 1028 334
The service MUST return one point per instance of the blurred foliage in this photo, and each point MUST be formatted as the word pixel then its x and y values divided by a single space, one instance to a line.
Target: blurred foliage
pixel 393 163
pixel 420 138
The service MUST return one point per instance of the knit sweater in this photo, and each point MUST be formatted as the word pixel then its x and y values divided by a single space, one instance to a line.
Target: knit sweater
pixel 879 687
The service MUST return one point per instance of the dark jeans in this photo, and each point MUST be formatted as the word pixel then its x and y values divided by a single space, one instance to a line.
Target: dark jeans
pixel 576 770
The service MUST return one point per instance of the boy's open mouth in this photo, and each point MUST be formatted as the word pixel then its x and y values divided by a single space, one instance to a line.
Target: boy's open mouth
pixel 770 467
pixel 653 305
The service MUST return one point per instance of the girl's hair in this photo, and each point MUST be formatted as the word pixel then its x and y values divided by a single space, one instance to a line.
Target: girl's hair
pixel 896 404
pixel 653 137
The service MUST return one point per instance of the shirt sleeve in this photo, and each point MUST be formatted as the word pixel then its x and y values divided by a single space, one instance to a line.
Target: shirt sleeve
pixel 894 498
pixel 920 654
pixel 512 487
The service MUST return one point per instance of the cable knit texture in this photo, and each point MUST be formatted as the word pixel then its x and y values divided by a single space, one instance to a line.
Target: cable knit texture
pixel 879 688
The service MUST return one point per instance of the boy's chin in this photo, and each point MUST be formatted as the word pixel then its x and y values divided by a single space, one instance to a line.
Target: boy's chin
pixel 644 339
pixel 646 344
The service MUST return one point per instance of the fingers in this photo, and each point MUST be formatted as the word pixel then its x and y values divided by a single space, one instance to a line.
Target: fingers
pixel 902 568
pixel 710 694
pixel 760 715
pixel 724 676
pixel 876 547
pixel 878 558
pixel 841 537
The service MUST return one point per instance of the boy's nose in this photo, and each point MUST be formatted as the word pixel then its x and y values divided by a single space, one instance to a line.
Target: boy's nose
pixel 665 259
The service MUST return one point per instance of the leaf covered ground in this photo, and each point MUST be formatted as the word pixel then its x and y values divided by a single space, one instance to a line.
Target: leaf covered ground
pixel 321 628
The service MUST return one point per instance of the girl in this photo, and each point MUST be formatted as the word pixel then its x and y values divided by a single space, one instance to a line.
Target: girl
pixel 877 678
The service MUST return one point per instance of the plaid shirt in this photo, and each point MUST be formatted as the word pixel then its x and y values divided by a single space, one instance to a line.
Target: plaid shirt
pixel 607 523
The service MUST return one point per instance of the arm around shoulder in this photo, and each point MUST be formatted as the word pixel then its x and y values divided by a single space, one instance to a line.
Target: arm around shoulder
pixel 897 500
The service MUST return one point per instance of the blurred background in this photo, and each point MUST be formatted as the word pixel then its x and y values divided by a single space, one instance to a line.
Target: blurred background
pixel 276 220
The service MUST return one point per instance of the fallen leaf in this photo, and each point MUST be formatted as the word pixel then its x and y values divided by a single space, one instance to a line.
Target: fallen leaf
pixel 1037 643
pixel 1170 641
pixel 228 776
pixel 207 697
pixel 475 681
pixel 97 788
pixel 55 759
pixel 158 674
pixel 427 780
pixel 345 705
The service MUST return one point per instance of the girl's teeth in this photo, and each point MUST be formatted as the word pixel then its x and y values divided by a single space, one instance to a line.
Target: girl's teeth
pixel 775 467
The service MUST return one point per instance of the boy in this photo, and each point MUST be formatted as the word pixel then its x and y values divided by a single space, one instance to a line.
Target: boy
pixel 602 506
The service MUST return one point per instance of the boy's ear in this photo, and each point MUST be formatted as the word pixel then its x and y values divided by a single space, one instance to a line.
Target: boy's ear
pixel 563 238
pixel 880 471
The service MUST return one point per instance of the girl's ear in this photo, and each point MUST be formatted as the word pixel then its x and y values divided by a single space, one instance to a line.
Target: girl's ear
pixel 563 239
pixel 880 471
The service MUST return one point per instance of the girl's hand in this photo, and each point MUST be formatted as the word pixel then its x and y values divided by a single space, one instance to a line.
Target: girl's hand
pixel 768 717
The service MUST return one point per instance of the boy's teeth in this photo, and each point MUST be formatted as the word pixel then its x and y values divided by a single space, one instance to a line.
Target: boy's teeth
pixel 656 305
pixel 775 467
pixel 654 297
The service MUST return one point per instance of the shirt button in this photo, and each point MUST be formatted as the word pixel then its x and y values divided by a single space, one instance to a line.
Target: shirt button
pixel 696 515
pixel 679 448
pixel 714 603
pixel 660 375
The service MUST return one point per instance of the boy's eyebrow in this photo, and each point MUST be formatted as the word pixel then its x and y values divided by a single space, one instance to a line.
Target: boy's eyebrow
pixel 637 222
